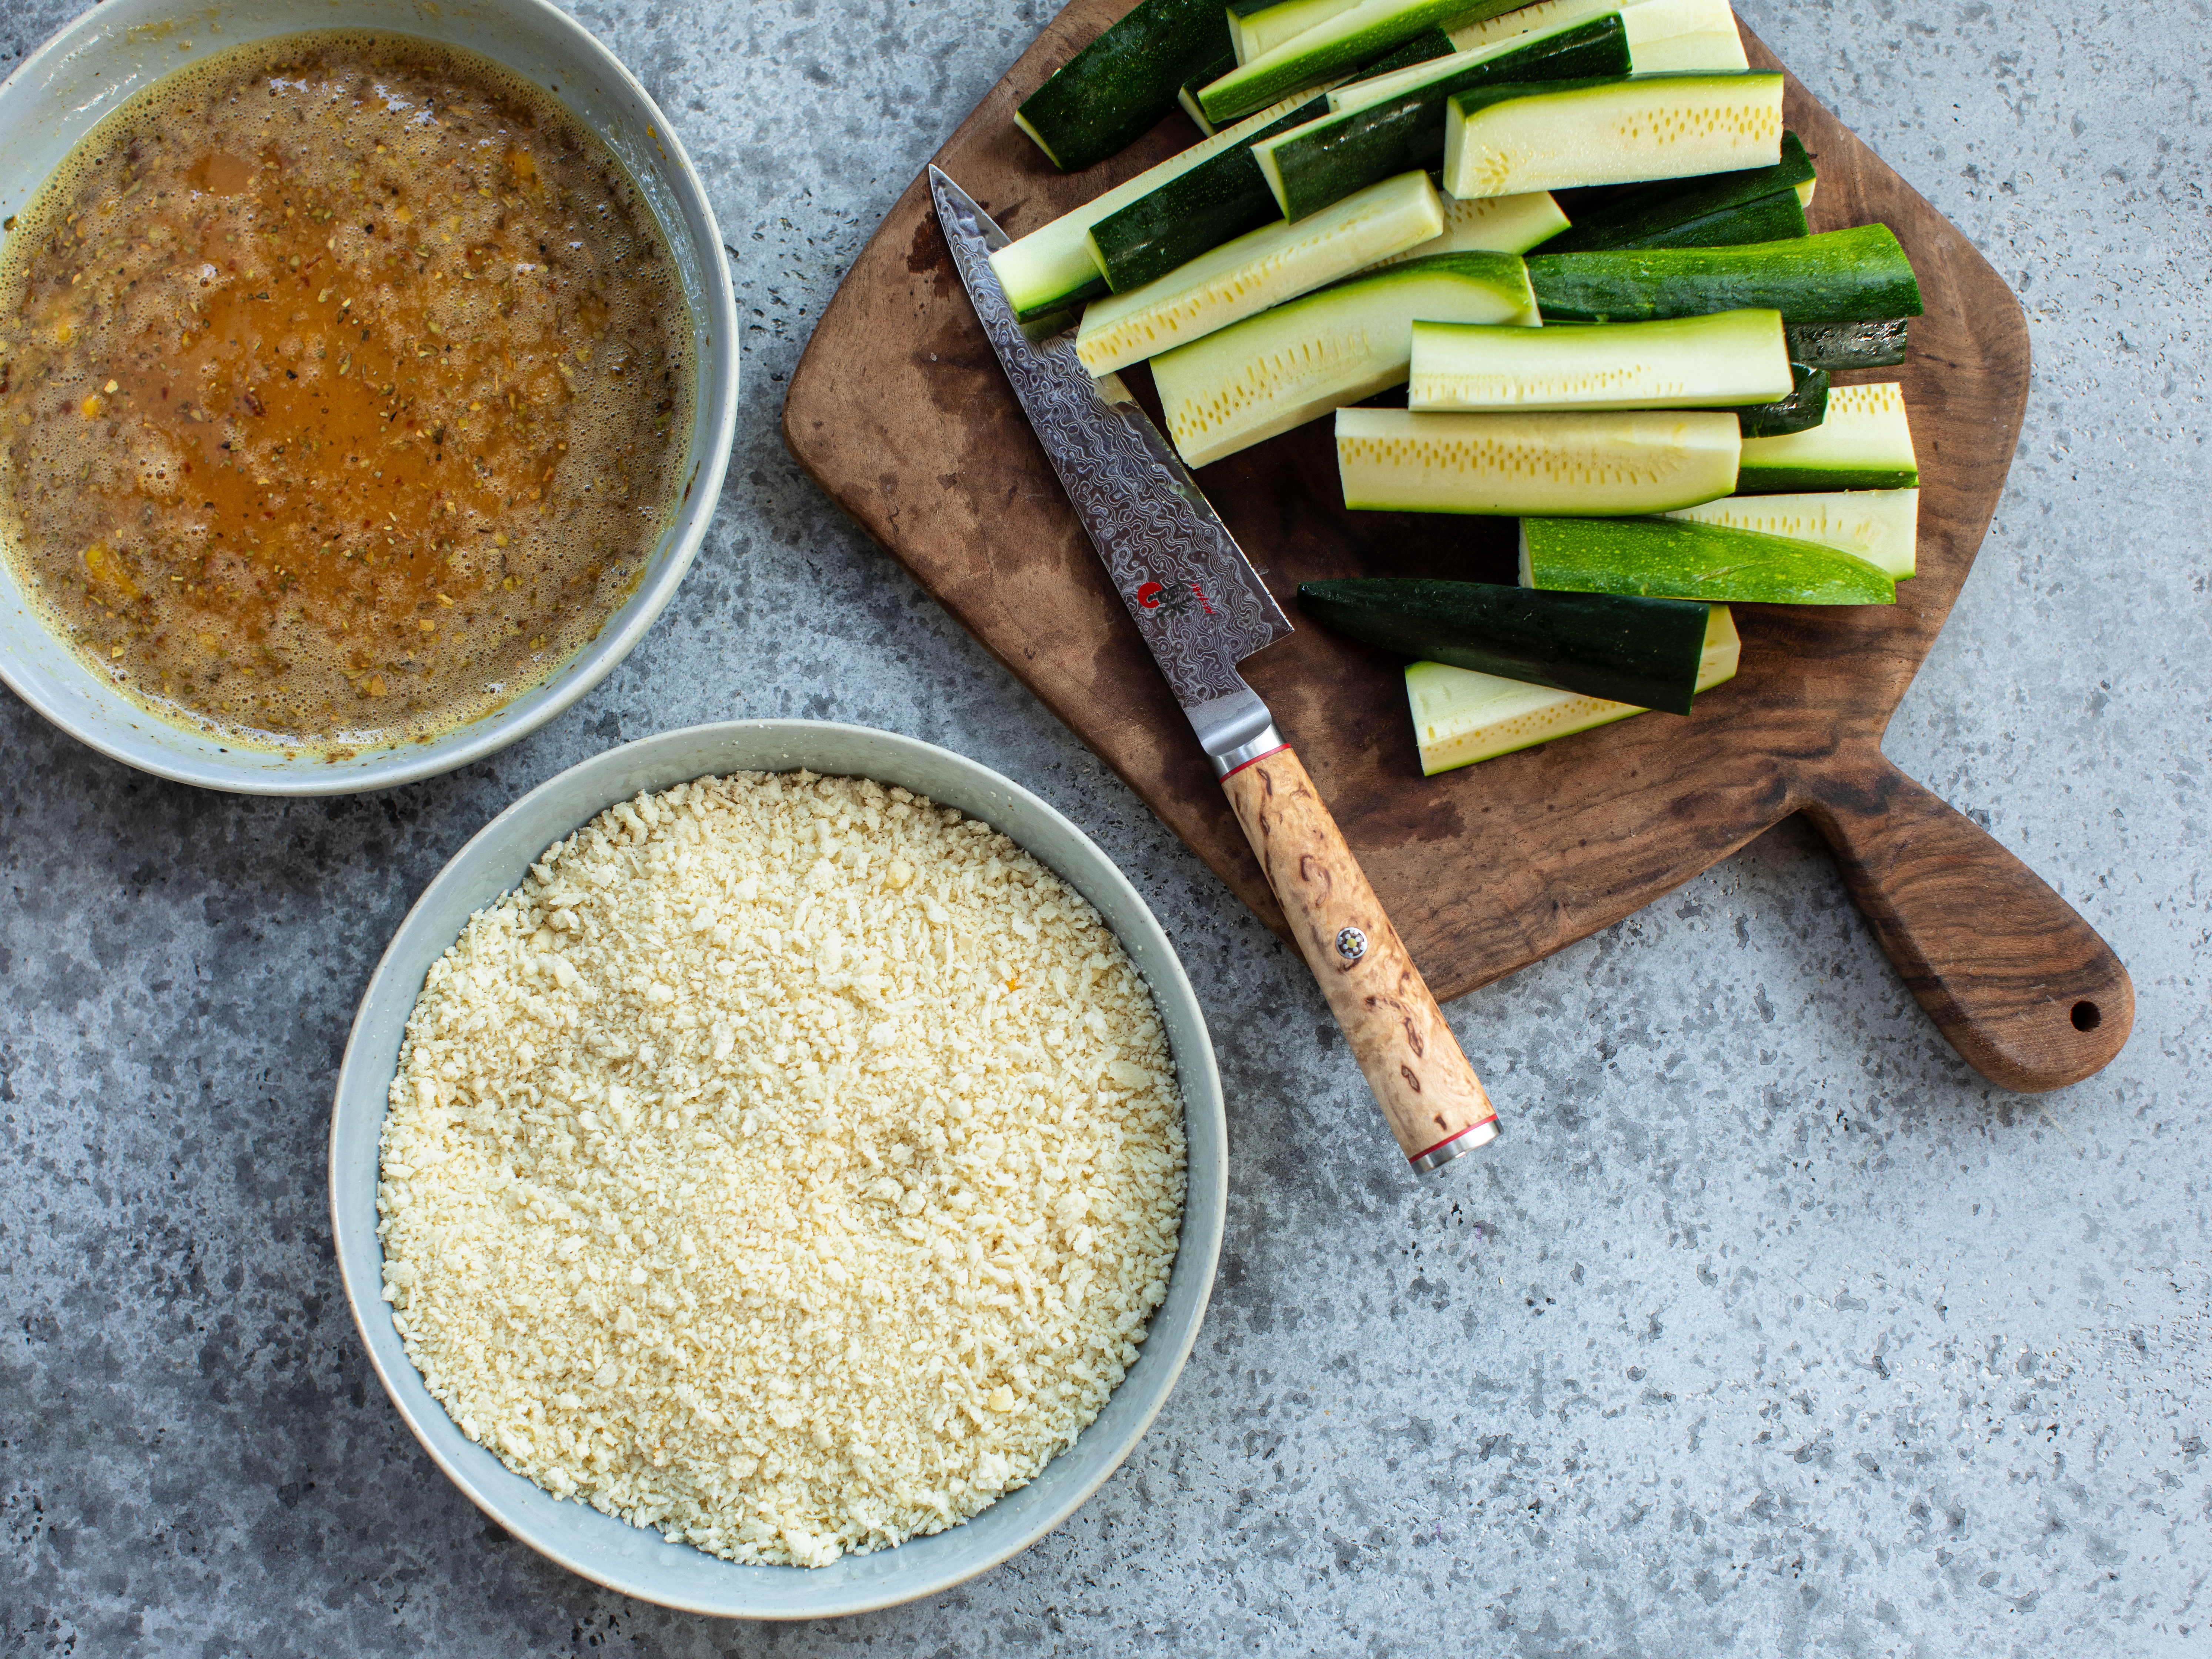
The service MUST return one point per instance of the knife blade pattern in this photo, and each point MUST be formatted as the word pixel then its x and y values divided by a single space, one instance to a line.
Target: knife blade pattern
pixel 1195 597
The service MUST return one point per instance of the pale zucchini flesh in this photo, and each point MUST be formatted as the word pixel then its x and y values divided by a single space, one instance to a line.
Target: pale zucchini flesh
pixel 1527 20
pixel 1052 267
pixel 1882 527
pixel 1489 224
pixel 1264 268
pixel 1259 31
pixel 1667 20
pixel 1601 466
pixel 1308 166
pixel 1461 716
pixel 1718 362
pixel 1298 361
pixel 1652 43
pixel 1684 36
pixel 1865 442
pixel 1501 140
pixel 1335 47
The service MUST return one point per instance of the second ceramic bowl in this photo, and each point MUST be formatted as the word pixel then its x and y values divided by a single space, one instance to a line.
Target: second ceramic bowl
pixel 632 1560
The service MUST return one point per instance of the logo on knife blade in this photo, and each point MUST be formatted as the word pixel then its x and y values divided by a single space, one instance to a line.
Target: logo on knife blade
pixel 1154 596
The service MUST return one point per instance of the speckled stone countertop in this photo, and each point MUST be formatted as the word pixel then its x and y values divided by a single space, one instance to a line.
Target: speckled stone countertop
pixel 1770 1329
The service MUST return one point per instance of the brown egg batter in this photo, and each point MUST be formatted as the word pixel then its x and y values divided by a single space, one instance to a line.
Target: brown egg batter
pixel 344 385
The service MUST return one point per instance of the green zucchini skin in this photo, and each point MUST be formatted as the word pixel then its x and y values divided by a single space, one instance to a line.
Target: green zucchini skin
pixel 1111 93
pixel 1674 213
pixel 1359 36
pixel 1680 559
pixel 1216 201
pixel 1639 651
pixel 1805 408
pixel 1187 97
pixel 1777 218
pixel 1838 276
pixel 1332 158
pixel 1876 344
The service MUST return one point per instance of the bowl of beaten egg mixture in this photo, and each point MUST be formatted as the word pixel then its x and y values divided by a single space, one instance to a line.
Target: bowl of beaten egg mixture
pixel 367 376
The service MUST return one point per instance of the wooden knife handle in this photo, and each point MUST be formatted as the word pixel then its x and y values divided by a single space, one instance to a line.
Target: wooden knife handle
pixel 1429 1094
pixel 2023 987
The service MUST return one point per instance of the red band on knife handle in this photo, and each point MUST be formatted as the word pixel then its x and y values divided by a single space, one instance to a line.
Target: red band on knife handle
pixel 1255 761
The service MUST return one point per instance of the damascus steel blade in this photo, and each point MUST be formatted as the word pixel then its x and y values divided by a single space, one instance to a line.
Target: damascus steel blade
pixel 1195 597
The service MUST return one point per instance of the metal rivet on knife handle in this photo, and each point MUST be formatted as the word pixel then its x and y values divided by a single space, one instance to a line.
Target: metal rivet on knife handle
pixel 1434 1102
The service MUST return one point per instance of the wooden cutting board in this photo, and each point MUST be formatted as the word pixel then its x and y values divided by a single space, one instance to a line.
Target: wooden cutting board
pixel 901 412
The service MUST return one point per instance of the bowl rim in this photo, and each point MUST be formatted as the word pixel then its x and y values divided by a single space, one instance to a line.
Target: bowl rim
pixel 1199 1244
pixel 412 762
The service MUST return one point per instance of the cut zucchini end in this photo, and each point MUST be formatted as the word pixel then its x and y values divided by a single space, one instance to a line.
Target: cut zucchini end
pixel 1864 442
pixel 1188 97
pixel 1037 139
pixel 1724 650
pixel 1271 171
pixel 1462 717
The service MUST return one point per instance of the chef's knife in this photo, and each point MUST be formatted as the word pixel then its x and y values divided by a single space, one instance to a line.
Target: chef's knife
pixel 1202 608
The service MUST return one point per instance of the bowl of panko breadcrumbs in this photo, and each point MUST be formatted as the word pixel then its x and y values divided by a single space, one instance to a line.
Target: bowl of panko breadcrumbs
pixel 778 1168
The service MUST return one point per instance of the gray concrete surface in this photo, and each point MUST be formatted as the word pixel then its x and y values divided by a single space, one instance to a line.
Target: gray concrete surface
pixel 1770 1329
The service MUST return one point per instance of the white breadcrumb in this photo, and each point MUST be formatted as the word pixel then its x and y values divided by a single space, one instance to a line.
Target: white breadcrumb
pixel 789 1164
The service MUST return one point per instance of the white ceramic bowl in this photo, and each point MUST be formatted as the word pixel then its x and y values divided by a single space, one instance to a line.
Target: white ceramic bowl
pixel 634 1560
pixel 62 90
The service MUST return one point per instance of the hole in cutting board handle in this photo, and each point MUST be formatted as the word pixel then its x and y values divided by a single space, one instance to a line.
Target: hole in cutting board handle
pixel 2087 1016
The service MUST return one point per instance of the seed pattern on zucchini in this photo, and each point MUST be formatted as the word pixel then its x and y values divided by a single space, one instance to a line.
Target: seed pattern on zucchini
pixel 1311 166
pixel 1728 358
pixel 1882 527
pixel 1501 139
pixel 1298 361
pixel 1108 95
pixel 1261 269
pixel 1602 465
pixel 1213 203
pixel 1489 224
pixel 1864 443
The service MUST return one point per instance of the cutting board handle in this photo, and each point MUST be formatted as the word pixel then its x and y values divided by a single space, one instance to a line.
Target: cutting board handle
pixel 2022 987
pixel 1429 1095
